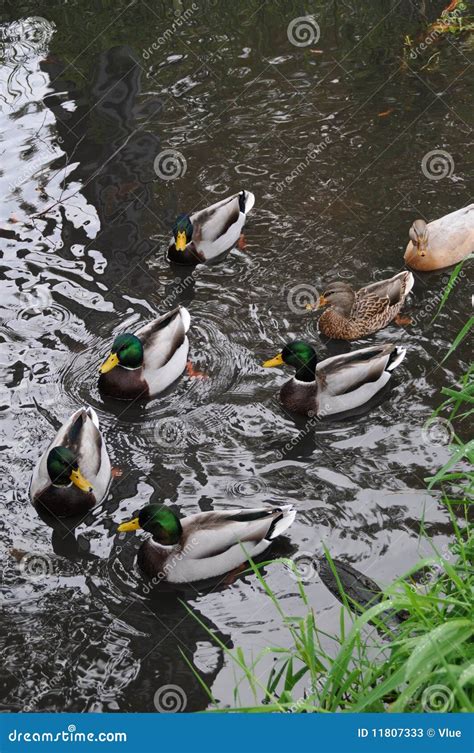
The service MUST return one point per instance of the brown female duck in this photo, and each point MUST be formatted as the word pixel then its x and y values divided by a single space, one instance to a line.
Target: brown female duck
pixel 355 314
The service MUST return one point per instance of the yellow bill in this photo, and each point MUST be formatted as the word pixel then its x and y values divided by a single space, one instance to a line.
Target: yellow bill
pixel 130 525
pixel 109 364
pixel 277 361
pixel 180 240
pixel 322 301
pixel 78 480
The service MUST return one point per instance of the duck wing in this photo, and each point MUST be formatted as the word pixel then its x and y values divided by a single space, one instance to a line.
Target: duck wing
pixel 215 221
pixel 383 294
pixel 85 440
pixel 162 337
pixel 454 231
pixel 210 534
pixel 352 379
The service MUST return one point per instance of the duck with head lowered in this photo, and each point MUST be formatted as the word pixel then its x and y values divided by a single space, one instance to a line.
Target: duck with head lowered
pixel 354 314
pixel 205 545
pixel 442 242
pixel 337 384
pixel 74 473
pixel 143 364
pixel 207 234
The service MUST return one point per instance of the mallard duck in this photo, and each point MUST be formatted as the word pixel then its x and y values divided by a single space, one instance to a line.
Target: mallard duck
pixel 354 314
pixel 442 242
pixel 73 474
pixel 205 235
pixel 338 384
pixel 205 545
pixel 146 363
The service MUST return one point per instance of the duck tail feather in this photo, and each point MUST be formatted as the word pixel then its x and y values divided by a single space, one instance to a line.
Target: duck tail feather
pixel 249 201
pixel 396 357
pixel 186 317
pixel 282 522
pixel 409 282
pixel 92 414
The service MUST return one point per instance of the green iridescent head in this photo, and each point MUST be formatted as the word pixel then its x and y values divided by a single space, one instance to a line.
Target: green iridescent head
pixel 182 231
pixel 299 354
pixel 161 522
pixel 63 469
pixel 127 351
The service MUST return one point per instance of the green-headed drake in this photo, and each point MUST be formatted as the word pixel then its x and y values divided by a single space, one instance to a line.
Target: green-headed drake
pixel 337 384
pixel 143 364
pixel 205 545
pixel 74 473
pixel 205 235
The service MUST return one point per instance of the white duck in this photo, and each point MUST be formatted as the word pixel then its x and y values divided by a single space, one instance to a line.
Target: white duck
pixel 442 242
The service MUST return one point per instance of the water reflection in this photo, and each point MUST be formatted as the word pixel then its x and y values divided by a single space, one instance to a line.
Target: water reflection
pixel 84 231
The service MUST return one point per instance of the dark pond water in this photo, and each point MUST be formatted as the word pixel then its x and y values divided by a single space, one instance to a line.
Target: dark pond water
pixel 87 104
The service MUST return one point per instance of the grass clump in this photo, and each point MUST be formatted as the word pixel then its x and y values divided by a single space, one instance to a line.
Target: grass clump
pixel 411 648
